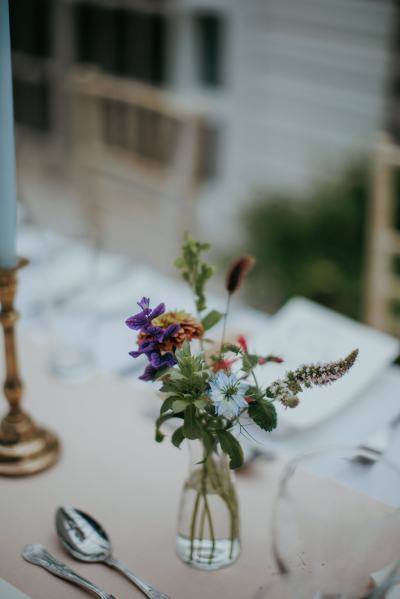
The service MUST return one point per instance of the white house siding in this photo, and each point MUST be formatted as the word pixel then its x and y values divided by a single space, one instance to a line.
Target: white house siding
pixel 305 93
pixel 319 94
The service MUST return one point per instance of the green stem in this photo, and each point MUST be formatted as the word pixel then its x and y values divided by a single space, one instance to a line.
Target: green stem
pixel 229 498
pixel 199 319
pixel 201 338
pixel 210 524
pixel 214 480
pixel 202 522
pixel 255 379
pixel 203 490
pixel 192 284
pixel 228 304
pixel 213 471
pixel 193 524
pixel 207 511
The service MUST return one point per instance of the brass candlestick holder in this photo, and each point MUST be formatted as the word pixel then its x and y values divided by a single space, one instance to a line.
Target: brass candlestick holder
pixel 24 447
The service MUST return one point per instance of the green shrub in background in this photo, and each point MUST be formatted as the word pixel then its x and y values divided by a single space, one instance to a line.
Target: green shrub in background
pixel 312 246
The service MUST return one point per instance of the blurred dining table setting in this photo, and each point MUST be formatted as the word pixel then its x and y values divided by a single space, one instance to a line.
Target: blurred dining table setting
pixel 112 470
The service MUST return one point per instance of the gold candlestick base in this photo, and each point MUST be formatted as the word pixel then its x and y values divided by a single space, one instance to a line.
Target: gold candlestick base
pixel 24 447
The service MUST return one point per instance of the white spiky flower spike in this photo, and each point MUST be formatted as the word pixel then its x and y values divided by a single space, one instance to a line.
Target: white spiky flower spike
pixel 285 390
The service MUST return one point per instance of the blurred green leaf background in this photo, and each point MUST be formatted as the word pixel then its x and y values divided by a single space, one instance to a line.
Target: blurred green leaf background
pixel 311 245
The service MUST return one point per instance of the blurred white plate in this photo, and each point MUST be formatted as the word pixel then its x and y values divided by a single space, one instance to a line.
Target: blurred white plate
pixel 303 332
pixel 7 591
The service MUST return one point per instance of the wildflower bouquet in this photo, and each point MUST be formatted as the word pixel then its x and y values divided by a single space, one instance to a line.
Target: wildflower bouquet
pixel 213 393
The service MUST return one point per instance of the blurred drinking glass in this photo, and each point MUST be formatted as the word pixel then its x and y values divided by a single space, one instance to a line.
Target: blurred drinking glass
pixel 336 526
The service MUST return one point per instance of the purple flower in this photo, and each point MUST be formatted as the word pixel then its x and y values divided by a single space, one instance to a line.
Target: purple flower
pixel 158 310
pixel 144 304
pixel 154 331
pixel 149 373
pixel 150 343
pixel 137 321
pixel 157 362
pixel 159 334
pixel 142 320
pixel 169 332
pixel 161 361
pixel 146 347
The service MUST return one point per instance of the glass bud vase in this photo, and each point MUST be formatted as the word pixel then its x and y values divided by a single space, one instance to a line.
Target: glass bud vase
pixel 208 535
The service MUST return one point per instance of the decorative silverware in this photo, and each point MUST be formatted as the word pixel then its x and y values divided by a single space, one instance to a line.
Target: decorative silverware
pixel 379 440
pixel 38 555
pixel 86 540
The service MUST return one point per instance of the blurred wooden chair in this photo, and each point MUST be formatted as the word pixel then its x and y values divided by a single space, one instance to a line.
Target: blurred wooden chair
pixel 383 266
pixel 140 156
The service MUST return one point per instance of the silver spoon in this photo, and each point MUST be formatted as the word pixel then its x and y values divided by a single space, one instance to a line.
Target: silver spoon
pixel 38 555
pixel 87 541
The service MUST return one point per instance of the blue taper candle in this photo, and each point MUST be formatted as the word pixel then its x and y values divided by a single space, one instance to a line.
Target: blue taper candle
pixel 8 194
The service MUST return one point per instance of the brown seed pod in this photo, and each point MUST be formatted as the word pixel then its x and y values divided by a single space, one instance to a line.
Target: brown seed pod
pixel 238 270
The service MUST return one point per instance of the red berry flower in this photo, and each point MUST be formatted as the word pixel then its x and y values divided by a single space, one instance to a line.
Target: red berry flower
pixel 243 343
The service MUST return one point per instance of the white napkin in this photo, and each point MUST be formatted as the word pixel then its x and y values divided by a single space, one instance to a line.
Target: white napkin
pixel 7 591
pixel 303 332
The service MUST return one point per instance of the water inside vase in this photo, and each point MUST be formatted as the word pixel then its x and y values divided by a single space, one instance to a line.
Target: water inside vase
pixel 208 526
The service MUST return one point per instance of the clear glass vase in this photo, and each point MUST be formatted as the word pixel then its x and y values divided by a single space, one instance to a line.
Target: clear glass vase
pixel 208 535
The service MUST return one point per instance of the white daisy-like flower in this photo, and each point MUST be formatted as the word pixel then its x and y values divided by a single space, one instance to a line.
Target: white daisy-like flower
pixel 227 394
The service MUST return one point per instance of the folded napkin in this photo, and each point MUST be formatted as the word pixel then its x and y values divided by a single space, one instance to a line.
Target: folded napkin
pixel 7 591
pixel 303 332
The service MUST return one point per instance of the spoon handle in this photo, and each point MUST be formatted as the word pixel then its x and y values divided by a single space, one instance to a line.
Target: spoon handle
pixel 38 555
pixel 147 589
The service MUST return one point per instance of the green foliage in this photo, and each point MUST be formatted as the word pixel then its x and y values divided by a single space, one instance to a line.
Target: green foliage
pixel 249 361
pixel 195 272
pixel 180 405
pixel 311 246
pixel 159 436
pixel 211 319
pixel 190 397
pixel 187 388
pixel 190 425
pixel 231 347
pixel 162 372
pixel 264 414
pixel 208 440
pixel 167 403
pixel 178 436
pixel 231 446
pixel 186 385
